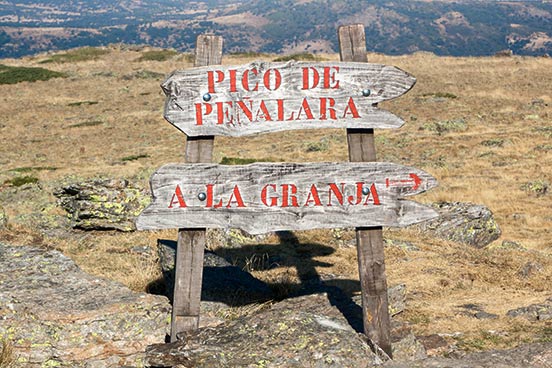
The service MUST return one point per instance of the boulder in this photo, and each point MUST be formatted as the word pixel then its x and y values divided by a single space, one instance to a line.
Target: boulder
pixel 467 223
pixel 56 315
pixel 103 204
pixel 299 332
pixel 525 356
pixel 534 312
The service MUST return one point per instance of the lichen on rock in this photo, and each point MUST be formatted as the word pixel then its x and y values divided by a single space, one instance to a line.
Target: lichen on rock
pixel 103 204
pixel 467 223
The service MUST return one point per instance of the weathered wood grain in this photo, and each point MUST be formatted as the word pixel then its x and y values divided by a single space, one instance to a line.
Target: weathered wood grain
pixel 371 259
pixel 277 210
pixel 232 110
pixel 191 243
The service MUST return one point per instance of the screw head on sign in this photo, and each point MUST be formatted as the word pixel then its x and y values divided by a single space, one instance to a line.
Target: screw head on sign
pixel 207 97
pixel 366 92
pixel 202 196
pixel 365 190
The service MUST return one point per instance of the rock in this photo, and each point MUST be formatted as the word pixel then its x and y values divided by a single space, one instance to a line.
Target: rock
pixel 476 311
pixel 534 312
pixel 3 218
pixel 526 356
pixel 434 344
pixel 406 347
pixel 466 223
pixel 529 269
pixel 103 204
pixel 222 282
pixel 511 245
pixel 297 332
pixel 55 315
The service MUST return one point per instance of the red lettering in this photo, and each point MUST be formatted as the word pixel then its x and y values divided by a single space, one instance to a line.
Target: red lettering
pixel 245 80
pixel 337 193
pixel 277 79
pixel 375 196
pixel 329 77
pixel 262 109
pixel 273 200
pixel 313 197
pixel 287 197
pixel 210 196
pixel 306 108
pixel 307 79
pixel 280 109
pixel 177 198
pixel 351 109
pixel 211 79
pixel 246 110
pixel 235 197
pixel 233 87
pixel 199 112
pixel 225 113
pixel 327 106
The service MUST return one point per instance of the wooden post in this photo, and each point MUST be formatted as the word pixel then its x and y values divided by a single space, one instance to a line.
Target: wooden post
pixel 371 263
pixel 191 243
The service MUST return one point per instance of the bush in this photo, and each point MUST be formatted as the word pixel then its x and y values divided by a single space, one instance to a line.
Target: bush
pixel 17 74
pixel 21 180
pixel 157 55
pixel 242 161
pixel 304 56
pixel 76 55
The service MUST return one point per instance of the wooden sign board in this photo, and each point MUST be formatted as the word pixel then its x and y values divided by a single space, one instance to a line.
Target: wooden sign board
pixel 267 97
pixel 266 197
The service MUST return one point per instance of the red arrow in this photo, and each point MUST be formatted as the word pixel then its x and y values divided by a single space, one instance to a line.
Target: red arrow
pixel 415 181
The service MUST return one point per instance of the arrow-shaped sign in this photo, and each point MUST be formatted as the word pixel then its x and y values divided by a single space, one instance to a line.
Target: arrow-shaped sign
pixel 267 197
pixel 267 97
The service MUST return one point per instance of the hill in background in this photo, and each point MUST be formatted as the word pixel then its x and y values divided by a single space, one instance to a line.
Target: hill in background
pixel 457 28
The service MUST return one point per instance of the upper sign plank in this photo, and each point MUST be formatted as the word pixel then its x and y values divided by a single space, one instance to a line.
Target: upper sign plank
pixel 285 196
pixel 267 97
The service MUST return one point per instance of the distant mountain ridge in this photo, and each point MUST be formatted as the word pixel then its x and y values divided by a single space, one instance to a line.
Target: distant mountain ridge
pixel 458 28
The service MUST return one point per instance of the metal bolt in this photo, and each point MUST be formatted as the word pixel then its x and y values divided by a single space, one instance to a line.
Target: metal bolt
pixel 366 92
pixel 202 196
pixel 207 97
pixel 365 190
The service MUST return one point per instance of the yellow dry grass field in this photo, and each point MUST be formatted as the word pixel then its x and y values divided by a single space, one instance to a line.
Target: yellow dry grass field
pixel 481 126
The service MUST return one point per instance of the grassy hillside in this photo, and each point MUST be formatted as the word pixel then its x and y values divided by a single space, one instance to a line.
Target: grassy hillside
pixel 457 28
pixel 481 126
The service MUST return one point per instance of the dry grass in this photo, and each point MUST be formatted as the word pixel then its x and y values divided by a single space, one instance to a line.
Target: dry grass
pixel 7 356
pixel 499 150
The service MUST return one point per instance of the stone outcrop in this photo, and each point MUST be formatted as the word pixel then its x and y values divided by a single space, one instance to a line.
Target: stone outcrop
pixel 298 332
pixel 526 356
pixel 467 223
pixel 103 204
pixel 534 312
pixel 55 315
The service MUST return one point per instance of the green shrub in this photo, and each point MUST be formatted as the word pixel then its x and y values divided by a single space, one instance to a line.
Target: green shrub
pixel 157 55
pixel 440 95
pixel 86 124
pixel 17 74
pixel 440 127
pixel 33 168
pixel 304 56
pixel 242 161
pixel 21 180
pixel 538 187
pixel 134 157
pixel 80 103
pixel 76 55
pixel 494 142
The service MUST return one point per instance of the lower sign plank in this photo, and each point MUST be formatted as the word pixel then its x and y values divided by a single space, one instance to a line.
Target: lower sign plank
pixel 265 197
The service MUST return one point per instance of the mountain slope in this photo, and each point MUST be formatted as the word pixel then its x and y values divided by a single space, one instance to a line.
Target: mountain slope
pixel 393 27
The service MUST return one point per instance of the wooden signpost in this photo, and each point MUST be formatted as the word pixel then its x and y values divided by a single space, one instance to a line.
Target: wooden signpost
pixel 267 97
